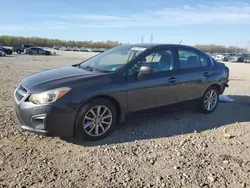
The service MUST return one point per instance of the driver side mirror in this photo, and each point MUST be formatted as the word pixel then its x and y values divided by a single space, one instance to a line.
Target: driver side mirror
pixel 146 70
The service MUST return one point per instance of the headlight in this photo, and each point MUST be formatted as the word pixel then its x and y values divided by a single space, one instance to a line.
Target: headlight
pixel 49 96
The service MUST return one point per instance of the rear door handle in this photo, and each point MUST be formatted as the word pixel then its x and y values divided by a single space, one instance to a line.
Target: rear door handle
pixel 172 80
pixel 206 74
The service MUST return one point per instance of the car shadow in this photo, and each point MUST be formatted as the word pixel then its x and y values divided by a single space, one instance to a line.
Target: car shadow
pixel 166 124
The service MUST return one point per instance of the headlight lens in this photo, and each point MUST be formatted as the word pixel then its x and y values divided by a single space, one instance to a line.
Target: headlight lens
pixel 49 96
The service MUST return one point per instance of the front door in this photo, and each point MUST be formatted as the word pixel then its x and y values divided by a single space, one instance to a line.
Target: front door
pixel 157 89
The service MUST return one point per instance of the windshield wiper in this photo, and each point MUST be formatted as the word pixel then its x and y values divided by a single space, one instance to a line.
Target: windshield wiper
pixel 89 68
pixel 102 71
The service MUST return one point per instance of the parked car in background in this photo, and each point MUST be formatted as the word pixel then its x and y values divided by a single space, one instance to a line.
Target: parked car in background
pixel 65 48
pixel 83 49
pixel 21 49
pixel 238 58
pixel 37 51
pixel 220 57
pixel 213 55
pixel 6 50
pixel 56 47
pixel 98 50
pixel 90 98
pixel 2 53
pixel 247 59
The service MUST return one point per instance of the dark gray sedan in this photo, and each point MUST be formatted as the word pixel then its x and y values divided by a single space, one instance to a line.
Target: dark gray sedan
pixel 37 51
pixel 90 98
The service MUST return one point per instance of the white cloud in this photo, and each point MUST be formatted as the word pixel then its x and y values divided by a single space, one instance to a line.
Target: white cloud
pixel 187 7
pixel 95 17
pixel 37 26
pixel 216 13
pixel 202 14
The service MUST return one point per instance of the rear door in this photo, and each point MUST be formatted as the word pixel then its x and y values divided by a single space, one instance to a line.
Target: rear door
pixel 158 89
pixel 195 71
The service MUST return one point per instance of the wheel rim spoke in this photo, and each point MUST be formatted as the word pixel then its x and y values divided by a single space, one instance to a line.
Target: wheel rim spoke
pixel 92 128
pixel 101 126
pixel 103 122
pixel 105 117
pixel 89 118
pixel 209 106
pixel 96 130
pixel 89 124
pixel 99 110
pixel 211 94
pixel 92 112
pixel 104 111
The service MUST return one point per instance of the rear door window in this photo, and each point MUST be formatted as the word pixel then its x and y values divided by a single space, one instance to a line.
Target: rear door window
pixel 192 59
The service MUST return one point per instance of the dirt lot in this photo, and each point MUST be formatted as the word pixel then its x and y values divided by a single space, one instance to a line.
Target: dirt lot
pixel 183 149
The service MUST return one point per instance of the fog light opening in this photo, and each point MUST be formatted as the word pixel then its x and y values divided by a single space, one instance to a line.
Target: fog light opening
pixel 38 122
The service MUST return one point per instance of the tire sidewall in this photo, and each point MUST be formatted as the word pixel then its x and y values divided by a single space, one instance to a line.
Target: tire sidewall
pixel 203 108
pixel 80 131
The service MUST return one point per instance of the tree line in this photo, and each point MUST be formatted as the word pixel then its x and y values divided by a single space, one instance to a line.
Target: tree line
pixel 45 42
pixel 220 49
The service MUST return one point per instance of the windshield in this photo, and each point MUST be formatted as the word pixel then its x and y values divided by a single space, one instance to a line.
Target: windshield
pixel 111 60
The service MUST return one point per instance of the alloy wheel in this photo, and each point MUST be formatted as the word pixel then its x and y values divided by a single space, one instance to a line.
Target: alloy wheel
pixel 97 120
pixel 211 100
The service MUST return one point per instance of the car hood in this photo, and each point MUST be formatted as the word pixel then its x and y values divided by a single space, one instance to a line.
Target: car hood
pixel 54 78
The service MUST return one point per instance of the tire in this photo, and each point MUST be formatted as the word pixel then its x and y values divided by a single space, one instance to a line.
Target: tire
pixel 30 53
pixel 83 130
pixel 18 51
pixel 204 106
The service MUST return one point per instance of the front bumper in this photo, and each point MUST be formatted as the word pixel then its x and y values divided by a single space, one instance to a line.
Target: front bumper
pixel 56 119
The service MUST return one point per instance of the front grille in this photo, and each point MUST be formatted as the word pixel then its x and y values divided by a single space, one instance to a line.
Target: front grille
pixel 20 93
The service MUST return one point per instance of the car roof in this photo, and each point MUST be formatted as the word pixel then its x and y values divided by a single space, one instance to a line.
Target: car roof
pixel 153 45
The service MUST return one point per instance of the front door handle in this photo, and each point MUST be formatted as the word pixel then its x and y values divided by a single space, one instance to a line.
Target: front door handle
pixel 206 74
pixel 172 80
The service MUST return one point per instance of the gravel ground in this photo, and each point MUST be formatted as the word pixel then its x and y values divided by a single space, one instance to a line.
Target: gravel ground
pixel 182 149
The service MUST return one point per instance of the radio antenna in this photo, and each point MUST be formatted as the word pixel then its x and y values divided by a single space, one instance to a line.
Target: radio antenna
pixel 180 42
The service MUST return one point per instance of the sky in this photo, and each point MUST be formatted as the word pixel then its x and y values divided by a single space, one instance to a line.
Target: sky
pixel 223 22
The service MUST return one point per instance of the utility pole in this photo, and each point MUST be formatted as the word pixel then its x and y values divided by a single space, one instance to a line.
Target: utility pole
pixel 142 39
pixel 236 48
pixel 248 46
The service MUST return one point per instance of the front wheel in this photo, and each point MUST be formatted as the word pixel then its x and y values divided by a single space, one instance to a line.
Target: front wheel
pixel 209 100
pixel 96 119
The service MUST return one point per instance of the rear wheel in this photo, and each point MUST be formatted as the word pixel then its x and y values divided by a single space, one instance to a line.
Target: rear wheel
pixel 18 51
pixel 96 119
pixel 209 100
